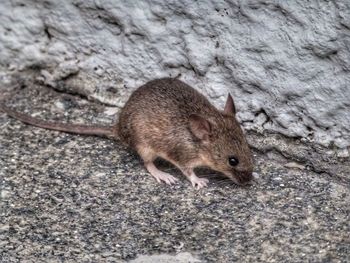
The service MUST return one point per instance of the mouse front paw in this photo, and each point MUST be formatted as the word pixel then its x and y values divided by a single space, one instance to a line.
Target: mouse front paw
pixel 166 178
pixel 159 175
pixel 199 182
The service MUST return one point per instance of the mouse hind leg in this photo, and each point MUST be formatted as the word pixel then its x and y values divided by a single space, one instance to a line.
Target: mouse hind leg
pixel 148 156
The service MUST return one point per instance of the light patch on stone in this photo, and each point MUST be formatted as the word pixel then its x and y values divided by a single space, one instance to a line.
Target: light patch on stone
pixel 294 165
pixel 183 257
pixel 111 111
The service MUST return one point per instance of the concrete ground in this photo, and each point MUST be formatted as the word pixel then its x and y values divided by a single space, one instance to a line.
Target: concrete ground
pixel 69 198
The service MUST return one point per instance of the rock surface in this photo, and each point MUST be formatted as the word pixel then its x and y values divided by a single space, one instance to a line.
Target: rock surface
pixel 287 63
pixel 70 198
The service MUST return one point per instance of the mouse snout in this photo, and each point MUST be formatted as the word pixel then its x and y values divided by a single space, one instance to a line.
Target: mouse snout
pixel 243 177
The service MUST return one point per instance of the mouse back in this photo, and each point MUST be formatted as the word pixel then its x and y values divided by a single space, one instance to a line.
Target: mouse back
pixel 161 108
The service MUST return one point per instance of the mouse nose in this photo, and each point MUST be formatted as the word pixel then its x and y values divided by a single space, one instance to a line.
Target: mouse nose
pixel 245 176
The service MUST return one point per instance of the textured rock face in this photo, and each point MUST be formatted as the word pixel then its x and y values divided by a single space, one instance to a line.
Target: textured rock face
pixel 287 63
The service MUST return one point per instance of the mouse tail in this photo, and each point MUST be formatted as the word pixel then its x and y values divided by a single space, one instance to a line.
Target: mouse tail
pixel 103 131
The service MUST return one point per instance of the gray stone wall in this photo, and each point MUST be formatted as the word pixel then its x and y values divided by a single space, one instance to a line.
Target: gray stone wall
pixel 287 63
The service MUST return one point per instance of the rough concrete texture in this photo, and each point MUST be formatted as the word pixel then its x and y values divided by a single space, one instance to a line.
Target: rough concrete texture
pixel 70 198
pixel 286 62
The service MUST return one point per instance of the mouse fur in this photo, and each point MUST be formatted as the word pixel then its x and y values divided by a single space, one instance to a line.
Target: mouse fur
pixel 167 118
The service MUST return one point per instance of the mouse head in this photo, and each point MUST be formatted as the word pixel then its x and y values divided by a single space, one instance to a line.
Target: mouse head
pixel 222 143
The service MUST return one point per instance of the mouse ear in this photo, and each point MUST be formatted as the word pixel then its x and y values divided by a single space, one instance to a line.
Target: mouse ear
pixel 230 106
pixel 200 127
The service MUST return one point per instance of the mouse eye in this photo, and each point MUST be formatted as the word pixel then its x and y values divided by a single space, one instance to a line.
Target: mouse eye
pixel 233 161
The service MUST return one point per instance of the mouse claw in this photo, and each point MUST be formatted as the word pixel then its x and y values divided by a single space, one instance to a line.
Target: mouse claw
pixel 199 182
pixel 170 180
pixel 158 180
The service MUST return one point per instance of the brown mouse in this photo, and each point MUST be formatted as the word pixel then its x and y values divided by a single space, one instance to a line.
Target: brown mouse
pixel 169 119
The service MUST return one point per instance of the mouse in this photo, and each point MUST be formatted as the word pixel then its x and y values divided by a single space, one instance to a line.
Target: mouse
pixel 167 118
